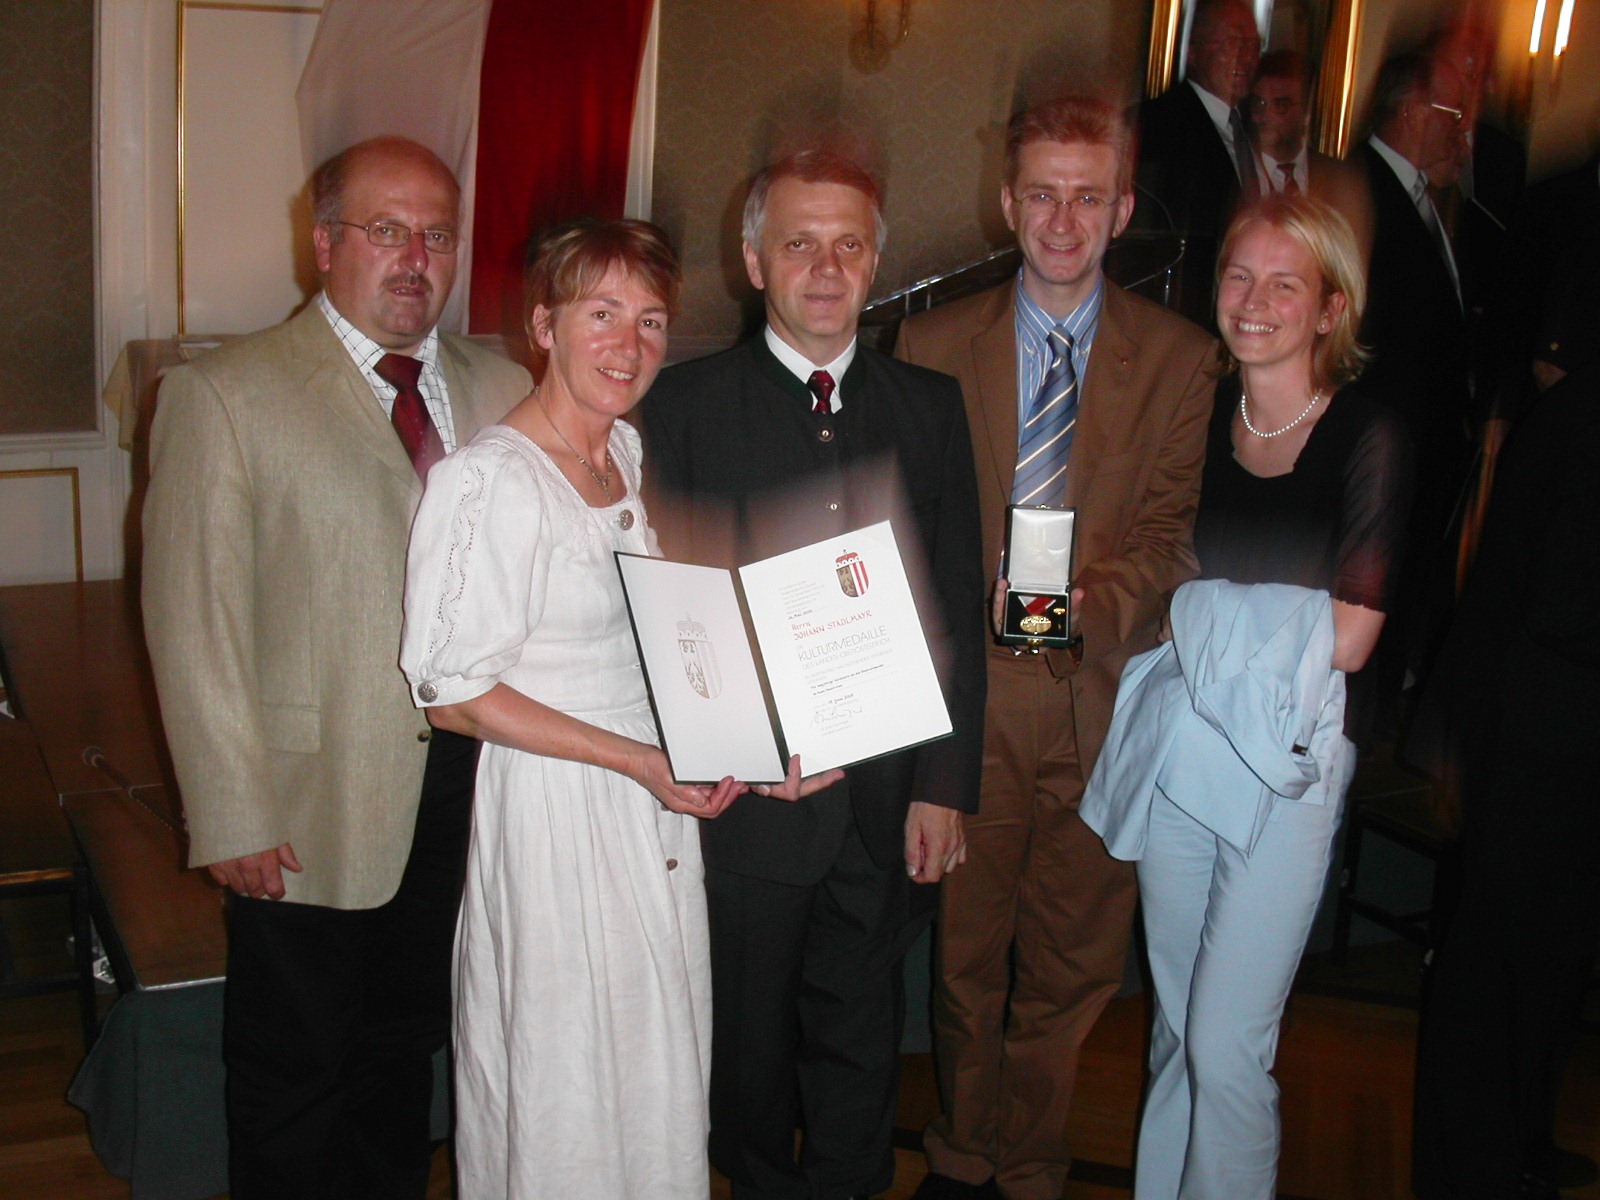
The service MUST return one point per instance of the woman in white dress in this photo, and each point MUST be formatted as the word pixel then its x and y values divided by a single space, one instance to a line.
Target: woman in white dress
pixel 582 1027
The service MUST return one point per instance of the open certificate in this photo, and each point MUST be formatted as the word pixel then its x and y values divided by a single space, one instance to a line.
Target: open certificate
pixel 839 648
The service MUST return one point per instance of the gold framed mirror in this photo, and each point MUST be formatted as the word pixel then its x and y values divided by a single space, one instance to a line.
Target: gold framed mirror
pixel 1336 26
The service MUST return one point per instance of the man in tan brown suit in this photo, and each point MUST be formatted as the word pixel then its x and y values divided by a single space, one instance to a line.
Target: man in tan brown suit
pixel 285 468
pixel 1038 882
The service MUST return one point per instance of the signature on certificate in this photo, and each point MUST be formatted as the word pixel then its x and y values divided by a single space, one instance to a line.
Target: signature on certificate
pixel 835 712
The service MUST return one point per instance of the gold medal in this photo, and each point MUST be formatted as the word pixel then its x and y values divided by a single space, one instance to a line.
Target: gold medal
pixel 1035 623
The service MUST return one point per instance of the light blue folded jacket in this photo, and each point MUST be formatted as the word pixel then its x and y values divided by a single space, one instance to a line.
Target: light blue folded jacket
pixel 1241 709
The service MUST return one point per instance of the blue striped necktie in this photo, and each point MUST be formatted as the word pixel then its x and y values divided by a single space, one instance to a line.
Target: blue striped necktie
pixel 1047 430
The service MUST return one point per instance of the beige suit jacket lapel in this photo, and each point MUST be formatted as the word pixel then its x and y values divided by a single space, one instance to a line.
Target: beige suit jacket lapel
pixel 470 408
pixel 333 375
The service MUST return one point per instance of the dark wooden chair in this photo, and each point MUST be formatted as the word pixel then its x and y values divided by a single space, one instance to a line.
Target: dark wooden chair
pixel 1396 803
pixel 38 856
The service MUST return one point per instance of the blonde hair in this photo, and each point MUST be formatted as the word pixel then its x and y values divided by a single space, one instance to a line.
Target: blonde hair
pixel 1336 356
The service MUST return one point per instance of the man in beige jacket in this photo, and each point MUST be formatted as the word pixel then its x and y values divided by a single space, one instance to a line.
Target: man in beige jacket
pixel 285 468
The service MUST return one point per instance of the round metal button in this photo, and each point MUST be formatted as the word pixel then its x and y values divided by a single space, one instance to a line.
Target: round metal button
pixel 625 518
pixel 833 506
pixel 427 693
pixel 672 864
pixel 424 735
pixel 824 434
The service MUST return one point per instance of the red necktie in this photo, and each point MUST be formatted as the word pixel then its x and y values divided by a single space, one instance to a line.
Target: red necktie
pixel 1290 187
pixel 410 414
pixel 821 385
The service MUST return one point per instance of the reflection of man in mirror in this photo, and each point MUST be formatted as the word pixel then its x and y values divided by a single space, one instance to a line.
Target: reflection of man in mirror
pixel 1278 118
pixel 1224 46
pixel 1195 160
pixel 1280 137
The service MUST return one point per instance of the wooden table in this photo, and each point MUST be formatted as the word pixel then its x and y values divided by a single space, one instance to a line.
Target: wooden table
pixel 162 925
pixel 152 1085
pixel 81 678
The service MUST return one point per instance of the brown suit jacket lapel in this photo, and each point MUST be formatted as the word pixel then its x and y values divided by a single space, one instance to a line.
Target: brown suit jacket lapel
pixel 1103 410
pixel 994 360
pixel 1103 413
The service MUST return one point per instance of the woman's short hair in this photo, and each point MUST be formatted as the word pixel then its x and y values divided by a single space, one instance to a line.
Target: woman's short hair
pixel 567 263
pixel 1336 357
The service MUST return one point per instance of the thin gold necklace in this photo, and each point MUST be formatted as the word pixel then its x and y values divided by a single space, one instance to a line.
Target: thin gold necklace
pixel 605 481
pixel 1244 412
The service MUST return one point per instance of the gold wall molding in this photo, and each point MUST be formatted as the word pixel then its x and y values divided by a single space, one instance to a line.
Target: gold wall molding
pixel 1166 21
pixel 1336 88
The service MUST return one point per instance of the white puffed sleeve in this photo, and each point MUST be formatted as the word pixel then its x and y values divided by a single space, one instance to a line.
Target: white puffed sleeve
pixel 475 573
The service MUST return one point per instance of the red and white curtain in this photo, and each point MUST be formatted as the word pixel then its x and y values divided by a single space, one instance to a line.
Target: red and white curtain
pixel 531 102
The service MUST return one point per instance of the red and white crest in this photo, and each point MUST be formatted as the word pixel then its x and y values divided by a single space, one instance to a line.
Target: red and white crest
pixel 852 573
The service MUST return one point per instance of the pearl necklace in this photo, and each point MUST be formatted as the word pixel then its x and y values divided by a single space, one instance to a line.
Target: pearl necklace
pixel 1244 413
pixel 604 482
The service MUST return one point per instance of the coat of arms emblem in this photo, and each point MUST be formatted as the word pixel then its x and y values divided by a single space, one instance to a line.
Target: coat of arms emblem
pixel 852 573
pixel 699 656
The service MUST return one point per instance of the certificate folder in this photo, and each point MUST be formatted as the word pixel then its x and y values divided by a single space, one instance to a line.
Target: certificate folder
pixel 817 652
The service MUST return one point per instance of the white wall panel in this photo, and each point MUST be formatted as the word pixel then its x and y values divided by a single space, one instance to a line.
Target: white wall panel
pixel 40 537
pixel 244 227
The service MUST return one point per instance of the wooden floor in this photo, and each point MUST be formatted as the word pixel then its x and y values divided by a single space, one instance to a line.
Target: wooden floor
pixel 1344 1066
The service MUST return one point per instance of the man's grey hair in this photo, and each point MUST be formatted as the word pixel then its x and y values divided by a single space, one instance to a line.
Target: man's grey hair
pixel 811 166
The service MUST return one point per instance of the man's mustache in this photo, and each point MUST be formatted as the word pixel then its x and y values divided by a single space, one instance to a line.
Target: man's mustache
pixel 408 279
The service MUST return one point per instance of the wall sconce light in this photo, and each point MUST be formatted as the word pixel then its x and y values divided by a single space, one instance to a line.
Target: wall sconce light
pixel 870 46
pixel 1563 32
pixel 1558 50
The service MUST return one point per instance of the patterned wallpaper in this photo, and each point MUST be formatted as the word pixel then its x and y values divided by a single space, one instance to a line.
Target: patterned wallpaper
pixel 743 81
pixel 47 375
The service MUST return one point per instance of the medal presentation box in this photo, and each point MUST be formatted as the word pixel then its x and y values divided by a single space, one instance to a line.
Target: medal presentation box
pixel 1038 568
pixel 837 670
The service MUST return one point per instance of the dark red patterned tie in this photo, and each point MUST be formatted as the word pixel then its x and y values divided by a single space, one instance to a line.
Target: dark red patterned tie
pixel 410 414
pixel 821 385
